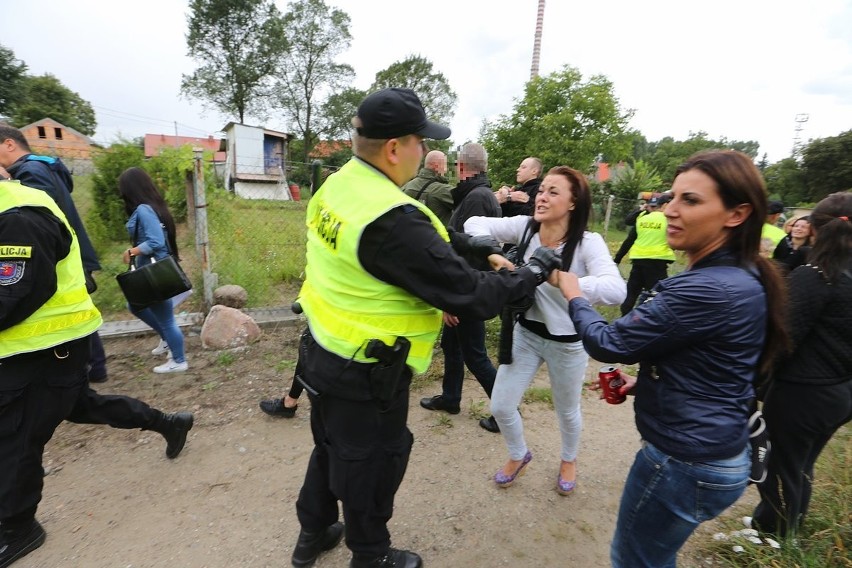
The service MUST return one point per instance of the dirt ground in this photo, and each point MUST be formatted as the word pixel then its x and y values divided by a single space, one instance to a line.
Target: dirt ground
pixel 112 499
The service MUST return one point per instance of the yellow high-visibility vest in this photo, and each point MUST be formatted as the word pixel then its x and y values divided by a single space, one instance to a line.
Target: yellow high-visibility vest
pixel 651 238
pixel 67 315
pixel 345 305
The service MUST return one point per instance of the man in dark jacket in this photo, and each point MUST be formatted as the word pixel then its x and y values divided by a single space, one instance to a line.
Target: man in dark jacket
pixel 463 340
pixel 519 200
pixel 19 163
pixel 430 187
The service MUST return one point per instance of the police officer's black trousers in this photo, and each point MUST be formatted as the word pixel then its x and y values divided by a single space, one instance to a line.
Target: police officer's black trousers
pixel 37 392
pixel 644 273
pixel 113 410
pixel 359 458
pixel 31 407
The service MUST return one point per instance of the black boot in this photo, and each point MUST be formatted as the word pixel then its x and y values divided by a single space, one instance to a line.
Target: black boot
pixel 393 559
pixel 174 428
pixel 17 543
pixel 311 544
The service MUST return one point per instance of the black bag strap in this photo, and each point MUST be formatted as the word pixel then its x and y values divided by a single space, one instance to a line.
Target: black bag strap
pixel 526 237
pixel 422 189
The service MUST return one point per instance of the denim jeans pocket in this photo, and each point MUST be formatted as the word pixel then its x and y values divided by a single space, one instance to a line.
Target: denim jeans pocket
pixel 719 484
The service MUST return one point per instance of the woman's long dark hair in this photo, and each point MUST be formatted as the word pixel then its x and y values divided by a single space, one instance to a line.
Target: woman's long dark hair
pixel 137 188
pixel 579 216
pixel 832 251
pixel 739 181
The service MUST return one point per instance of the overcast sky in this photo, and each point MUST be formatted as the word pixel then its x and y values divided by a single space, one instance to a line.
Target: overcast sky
pixel 743 69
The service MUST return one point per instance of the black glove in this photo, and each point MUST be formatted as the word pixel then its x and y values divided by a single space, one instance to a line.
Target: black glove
pixel 542 262
pixel 484 246
pixel 91 285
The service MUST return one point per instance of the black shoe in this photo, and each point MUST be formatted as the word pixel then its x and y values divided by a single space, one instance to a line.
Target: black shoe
pixel 275 407
pixel 14 545
pixel 98 379
pixel 393 559
pixel 490 424
pixel 174 429
pixel 438 402
pixel 310 545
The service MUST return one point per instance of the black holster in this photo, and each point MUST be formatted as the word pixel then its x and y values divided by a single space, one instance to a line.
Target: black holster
pixel 386 374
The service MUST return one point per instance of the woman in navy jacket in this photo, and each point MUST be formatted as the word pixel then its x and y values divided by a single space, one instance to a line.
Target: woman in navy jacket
pixel 700 338
pixel 152 231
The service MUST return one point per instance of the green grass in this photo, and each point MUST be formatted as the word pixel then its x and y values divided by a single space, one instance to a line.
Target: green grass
pixel 256 244
pixel 225 358
pixel 539 394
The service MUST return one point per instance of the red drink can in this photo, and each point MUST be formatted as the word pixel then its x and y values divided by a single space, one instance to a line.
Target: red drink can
pixel 611 381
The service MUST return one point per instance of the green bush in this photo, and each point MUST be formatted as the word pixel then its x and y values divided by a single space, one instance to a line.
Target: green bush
pixel 107 223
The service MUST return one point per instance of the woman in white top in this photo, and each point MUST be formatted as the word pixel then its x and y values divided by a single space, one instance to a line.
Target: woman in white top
pixel 544 333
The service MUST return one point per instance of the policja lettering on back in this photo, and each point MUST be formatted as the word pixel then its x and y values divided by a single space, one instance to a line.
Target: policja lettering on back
pixel 326 226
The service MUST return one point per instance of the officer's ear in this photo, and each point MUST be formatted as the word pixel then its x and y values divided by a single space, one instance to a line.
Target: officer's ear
pixel 392 149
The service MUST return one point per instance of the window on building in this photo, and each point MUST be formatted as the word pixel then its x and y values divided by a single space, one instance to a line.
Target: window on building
pixel 58 133
pixel 41 132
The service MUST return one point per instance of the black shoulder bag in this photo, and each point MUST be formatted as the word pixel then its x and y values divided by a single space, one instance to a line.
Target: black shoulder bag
pixel 155 282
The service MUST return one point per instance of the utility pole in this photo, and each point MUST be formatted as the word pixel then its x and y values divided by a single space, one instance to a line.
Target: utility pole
pixel 539 24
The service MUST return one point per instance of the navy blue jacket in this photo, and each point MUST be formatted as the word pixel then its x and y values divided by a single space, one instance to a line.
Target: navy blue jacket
pixel 38 175
pixel 698 339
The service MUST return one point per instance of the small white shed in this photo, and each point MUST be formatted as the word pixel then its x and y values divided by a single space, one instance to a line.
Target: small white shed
pixel 256 163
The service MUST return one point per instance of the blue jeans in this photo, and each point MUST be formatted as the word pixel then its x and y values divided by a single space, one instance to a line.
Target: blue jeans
pixel 665 499
pixel 463 345
pixel 566 365
pixel 161 318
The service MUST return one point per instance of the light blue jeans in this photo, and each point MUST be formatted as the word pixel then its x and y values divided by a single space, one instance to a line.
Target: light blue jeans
pixel 566 365
pixel 161 318
pixel 665 499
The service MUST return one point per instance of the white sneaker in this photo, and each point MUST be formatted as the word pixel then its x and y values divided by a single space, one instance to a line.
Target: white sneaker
pixel 161 348
pixel 171 366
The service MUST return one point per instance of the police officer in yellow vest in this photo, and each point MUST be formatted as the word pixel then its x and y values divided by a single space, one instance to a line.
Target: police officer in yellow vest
pixel 46 318
pixel 771 234
pixel 379 272
pixel 650 254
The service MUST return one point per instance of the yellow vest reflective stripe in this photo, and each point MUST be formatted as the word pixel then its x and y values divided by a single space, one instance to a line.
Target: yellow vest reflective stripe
pixel 67 315
pixel 345 305
pixel 651 238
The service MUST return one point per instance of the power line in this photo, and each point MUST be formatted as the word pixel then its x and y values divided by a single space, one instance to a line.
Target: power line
pixel 146 119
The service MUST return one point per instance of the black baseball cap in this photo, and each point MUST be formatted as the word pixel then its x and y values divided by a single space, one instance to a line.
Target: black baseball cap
pixel 393 112
pixel 775 207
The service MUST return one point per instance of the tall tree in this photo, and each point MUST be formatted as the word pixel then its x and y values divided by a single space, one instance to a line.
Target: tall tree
pixel 338 110
pixel 418 74
pixel 562 120
pixel 785 180
pixel 667 154
pixel 238 44
pixel 45 96
pixel 12 73
pixel 827 163
pixel 316 34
